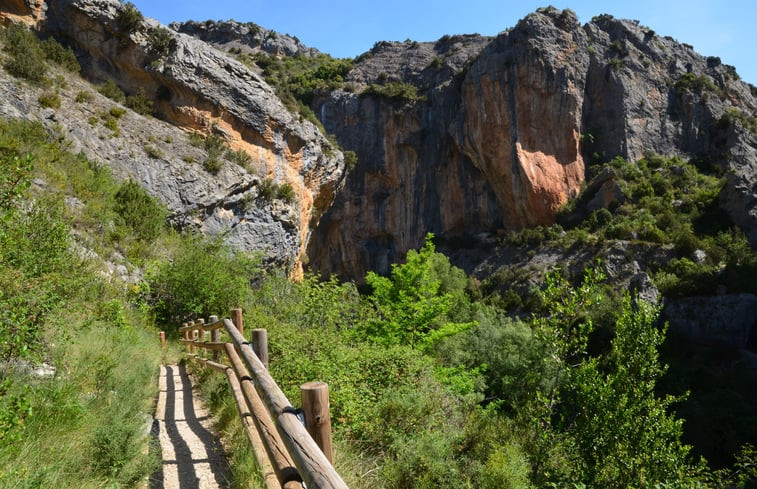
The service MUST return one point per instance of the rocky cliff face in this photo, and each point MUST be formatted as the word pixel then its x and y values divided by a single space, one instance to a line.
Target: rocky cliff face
pixel 244 37
pixel 30 12
pixel 199 89
pixel 502 129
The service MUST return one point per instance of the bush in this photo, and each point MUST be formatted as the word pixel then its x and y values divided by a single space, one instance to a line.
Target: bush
pixel 350 160
pixel 139 210
pixel 139 103
pixel 83 97
pixel 204 278
pixel 26 55
pixel 49 99
pixel 129 18
pixel 240 157
pixel 286 193
pixel 396 91
pixel 112 91
pixel 161 41
pixel 64 57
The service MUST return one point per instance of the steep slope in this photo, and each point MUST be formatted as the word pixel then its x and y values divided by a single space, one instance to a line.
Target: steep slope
pixel 198 89
pixel 499 139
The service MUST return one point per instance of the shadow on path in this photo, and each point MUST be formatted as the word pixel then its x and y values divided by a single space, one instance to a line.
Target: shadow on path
pixel 192 455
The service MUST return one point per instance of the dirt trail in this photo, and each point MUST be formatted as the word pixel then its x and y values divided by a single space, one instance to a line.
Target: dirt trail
pixel 192 455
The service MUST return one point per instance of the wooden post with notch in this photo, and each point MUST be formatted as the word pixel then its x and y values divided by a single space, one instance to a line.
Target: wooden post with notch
pixel 260 345
pixel 236 318
pixel 201 333
pixel 214 338
pixel 315 406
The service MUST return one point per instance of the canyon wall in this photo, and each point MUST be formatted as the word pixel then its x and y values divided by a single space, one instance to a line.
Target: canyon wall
pixel 502 129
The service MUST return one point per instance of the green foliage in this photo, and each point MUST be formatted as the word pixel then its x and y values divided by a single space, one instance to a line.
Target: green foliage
pixel 161 41
pixel 15 177
pixel 64 57
pixel 350 160
pixel 117 112
pixel 53 306
pixel 395 91
pixel 297 79
pixel 734 116
pixel 240 157
pixel 204 278
pixel 112 91
pixel 129 19
pixel 139 103
pixel 615 63
pixel 27 58
pixel 139 210
pixel 269 190
pixel 604 409
pixel 696 84
pixel 413 309
pixel 154 152
pixel 83 97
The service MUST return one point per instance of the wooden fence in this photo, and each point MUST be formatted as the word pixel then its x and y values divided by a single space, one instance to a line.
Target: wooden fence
pixel 289 452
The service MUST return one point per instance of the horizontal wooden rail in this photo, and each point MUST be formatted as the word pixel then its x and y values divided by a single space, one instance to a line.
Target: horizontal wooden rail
pixel 202 327
pixel 208 345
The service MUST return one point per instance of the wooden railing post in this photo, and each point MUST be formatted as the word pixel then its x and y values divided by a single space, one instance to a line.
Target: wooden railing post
pixel 184 333
pixel 201 332
pixel 260 345
pixel 236 318
pixel 214 338
pixel 315 406
pixel 192 337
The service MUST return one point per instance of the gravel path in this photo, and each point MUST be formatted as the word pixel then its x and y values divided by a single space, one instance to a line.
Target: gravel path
pixel 192 455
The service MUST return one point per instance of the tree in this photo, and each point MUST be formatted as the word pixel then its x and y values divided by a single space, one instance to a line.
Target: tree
pixel 602 410
pixel 411 305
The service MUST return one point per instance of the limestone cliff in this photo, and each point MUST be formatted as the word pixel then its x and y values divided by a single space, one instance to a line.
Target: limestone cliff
pixel 198 88
pixel 500 131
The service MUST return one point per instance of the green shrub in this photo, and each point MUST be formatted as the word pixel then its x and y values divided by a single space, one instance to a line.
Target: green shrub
pixel 129 19
pixel 140 211
pixel 286 193
pixel 204 278
pixel 64 57
pixel 267 189
pixel 154 152
pixel 117 112
pixel 396 91
pixel 26 55
pixel 240 157
pixel 696 84
pixel 161 41
pixel 83 97
pixel 139 103
pixel 111 123
pixel 49 99
pixel 112 91
pixel 350 160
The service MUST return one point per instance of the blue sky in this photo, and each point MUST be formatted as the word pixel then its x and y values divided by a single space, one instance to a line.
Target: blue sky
pixel 727 29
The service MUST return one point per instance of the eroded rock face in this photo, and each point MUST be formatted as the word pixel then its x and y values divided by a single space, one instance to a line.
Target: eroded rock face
pixel 503 129
pixel 29 12
pixel 245 37
pixel 520 117
pixel 198 88
pixel 727 320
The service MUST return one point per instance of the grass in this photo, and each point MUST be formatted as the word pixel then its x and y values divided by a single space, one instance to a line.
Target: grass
pixel 96 408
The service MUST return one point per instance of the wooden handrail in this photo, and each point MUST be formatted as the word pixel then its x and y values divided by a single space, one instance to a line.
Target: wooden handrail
pixel 314 467
pixel 290 449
